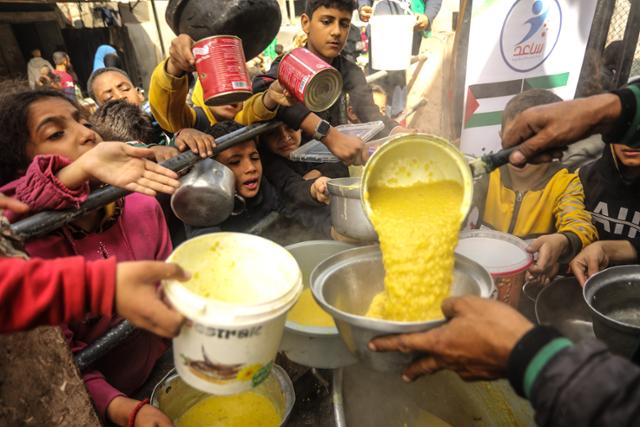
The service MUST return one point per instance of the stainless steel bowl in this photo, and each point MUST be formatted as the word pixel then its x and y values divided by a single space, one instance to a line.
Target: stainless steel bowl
pixel 345 284
pixel 613 297
pixel 347 213
pixel 206 194
pixel 314 346
pixel 174 397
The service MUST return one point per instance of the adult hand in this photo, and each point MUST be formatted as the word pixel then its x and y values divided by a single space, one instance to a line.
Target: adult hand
pixel 163 152
pixel 365 13
pixel 349 149
pixel 13 205
pixel 319 190
pixel 422 22
pixel 549 248
pixel 138 300
pixel 475 343
pixel 545 127
pixel 199 142
pixel 123 166
pixel 181 59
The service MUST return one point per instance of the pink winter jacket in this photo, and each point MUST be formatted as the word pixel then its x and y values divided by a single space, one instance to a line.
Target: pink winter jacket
pixel 140 233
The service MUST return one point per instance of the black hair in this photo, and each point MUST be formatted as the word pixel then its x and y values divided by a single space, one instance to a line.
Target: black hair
pixel 112 60
pixel 313 5
pixel 224 127
pixel 527 99
pixel 117 120
pixel 97 73
pixel 14 117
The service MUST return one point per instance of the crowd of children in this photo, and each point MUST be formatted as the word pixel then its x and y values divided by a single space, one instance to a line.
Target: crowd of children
pixel 54 155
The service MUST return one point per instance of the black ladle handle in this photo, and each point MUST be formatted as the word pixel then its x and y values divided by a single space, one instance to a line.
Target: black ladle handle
pixel 500 158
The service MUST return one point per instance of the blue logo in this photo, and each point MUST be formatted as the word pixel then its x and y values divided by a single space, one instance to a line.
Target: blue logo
pixel 529 33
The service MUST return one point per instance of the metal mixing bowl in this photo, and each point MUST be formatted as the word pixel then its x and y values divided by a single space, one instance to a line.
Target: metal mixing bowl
pixel 174 397
pixel 315 346
pixel 345 284
pixel 613 297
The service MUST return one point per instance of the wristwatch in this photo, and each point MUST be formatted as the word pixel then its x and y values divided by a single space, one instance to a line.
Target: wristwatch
pixel 321 130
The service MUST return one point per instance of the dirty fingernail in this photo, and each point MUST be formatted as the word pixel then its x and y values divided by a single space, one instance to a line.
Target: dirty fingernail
pixel 372 347
pixel 406 379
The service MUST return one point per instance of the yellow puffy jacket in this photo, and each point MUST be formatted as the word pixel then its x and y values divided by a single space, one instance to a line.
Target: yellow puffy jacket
pixel 554 204
pixel 168 102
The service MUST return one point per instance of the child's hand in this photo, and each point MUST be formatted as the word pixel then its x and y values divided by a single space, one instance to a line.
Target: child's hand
pixel 163 152
pixel 181 60
pixel 549 248
pixel 277 95
pixel 120 409
pixel 150 416
pixel 137 298
pixel 422 22
pixel 199 142
pixel 365 13
pixel 13 205
pixel 121 165
pixel 589 261
pixel 349 149
pixel 319 190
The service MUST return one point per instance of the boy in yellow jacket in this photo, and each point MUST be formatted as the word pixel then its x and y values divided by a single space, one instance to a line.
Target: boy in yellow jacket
pixel 169 89
pixel 543 202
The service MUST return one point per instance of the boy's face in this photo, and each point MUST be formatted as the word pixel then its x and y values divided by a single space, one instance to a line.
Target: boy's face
pixel 327 30
pixel 283 140
pixel 113 85
pixel 380 99
pixel 626 155
pixel 226 112
pixel 244 160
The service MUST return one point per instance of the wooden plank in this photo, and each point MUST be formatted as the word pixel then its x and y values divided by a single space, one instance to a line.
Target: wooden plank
pixel 26 17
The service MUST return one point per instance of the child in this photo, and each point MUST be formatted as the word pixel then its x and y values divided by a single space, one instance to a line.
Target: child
pixel 49 129
pixel 327 23
pixel 67 84
pixel 300 183
pixel 543 202
pixel 258 194
pixel 170 85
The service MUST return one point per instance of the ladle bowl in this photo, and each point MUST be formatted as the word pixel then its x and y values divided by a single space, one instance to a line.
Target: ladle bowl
pixel 344 285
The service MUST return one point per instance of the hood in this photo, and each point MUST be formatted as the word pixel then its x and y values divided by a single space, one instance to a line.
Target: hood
pixel 197 98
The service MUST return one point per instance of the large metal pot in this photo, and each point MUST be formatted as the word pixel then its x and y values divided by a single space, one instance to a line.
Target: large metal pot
pixel 345 284
pixel 613 297
pixel 256 22
pixel 314 346
pixel 174 397
pixel 206 194
pixel 347 214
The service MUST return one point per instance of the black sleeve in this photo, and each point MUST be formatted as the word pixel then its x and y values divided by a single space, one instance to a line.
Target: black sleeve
pixel 294 189
pixel 586 385
pixel 292 116
pixel 333 170
pixel 361 97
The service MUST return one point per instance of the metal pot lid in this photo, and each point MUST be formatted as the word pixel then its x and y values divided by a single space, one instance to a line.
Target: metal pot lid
pixel 256 22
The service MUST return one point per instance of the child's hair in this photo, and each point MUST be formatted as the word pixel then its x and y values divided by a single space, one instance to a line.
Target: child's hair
pixel 14 118
pixel 377 89
pixel 100 71
pixel 117 120
pixel 313 5
pixel 59 57
pixel 527 99
pixel 223 128
pixel 279 49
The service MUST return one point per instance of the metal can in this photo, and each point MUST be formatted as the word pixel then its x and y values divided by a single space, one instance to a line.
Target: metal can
pixel 222 71
pixel 309 79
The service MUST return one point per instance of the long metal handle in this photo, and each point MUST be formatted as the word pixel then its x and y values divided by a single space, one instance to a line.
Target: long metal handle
pixel 103 345
pixel 45 222
pixel 500 158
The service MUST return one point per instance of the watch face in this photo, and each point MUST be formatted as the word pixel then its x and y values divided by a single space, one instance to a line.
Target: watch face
pixel 323 127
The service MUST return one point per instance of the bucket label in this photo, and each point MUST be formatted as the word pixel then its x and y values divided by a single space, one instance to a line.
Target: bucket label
pixel 228 333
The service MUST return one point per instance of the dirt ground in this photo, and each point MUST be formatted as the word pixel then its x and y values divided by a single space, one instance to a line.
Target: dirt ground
pixel 34 394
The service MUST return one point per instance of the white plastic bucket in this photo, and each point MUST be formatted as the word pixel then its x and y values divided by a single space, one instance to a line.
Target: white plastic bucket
pixel 232 334
pixel 503 255
pixel 391 40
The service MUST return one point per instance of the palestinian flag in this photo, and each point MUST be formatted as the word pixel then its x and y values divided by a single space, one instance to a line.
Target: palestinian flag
pixel 486 101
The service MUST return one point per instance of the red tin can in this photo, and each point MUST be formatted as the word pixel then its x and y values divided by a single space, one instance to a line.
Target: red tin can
pixel 222 71
pixel 311 80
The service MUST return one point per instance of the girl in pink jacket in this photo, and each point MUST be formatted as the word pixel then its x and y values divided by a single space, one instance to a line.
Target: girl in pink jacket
pixel 43 132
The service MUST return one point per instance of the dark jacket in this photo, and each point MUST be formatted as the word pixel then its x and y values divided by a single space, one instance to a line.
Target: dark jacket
pixel 612 199
pixel 256 209
pixel 287 177
pixel 354 84
pixel 576 385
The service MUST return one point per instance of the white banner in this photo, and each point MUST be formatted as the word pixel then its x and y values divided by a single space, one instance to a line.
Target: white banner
pixel 515 46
